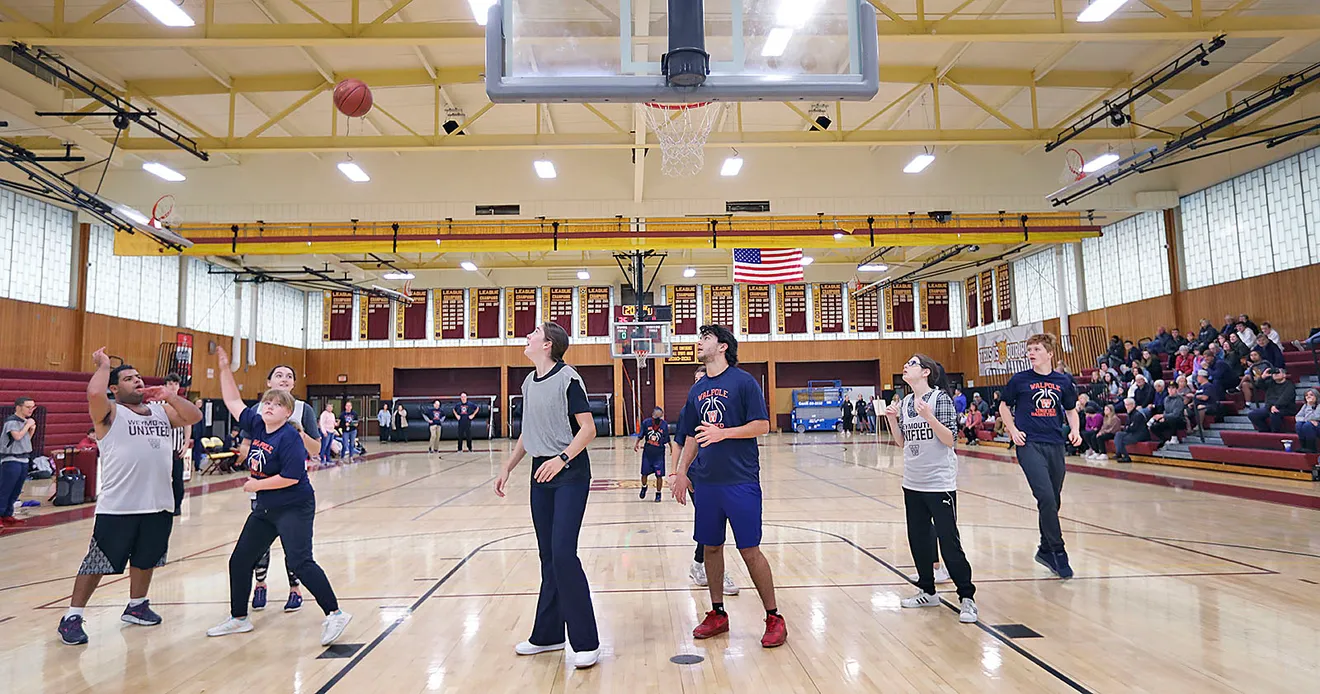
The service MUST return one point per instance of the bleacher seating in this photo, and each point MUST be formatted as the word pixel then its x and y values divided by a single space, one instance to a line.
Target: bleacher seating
pixel 61 395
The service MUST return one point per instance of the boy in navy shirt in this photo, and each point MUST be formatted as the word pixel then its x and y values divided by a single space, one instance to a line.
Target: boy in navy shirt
pixel 285 507
pixel 724 414
pixel 1032 404
pixel 434 417
pixel 654 443
pixel 349 424
pixel 464 412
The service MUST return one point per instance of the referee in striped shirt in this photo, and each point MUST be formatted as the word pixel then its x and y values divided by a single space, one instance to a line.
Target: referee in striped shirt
pixel 181 437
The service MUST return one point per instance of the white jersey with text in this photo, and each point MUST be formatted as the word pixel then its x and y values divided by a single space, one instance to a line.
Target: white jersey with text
pixel 928 464
pixel 135 465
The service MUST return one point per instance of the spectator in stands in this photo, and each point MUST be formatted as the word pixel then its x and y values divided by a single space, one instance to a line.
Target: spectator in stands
pixel 1184 362
pixel 1177 340
pixel 1308 421
pixel 980 405
pixel 1205 401
pixel 1310 342
pixel 1198 362
pixel 1238 346
pixel 1162 343
pixel 959 401
pixel 1268 350
pixel 1255 379
pixel 1273 335
pixel 1230 326
pixel 1114 355
pixel 1109 428
pixel 1161 392
pixel 1112 388
pixel 1243 319
pixel 1097 389
pixel 1180 387
pixel 1136 430
pixel 15 450
pixel 971 424
pixel 1280 402
pixel 1132 353
pixel 1169 423
pixel 89 441
pixel 1142 392
pixel 1207 336
pixel 993 417
pixel 1091 449
pixel 1220 373
pixel 1153 365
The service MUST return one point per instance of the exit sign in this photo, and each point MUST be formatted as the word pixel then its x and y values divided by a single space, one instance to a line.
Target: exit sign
pixel 342 378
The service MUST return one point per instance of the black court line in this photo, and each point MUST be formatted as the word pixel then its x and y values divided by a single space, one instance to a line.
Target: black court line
pixel 6 619
pixel 1039 662
pixel 456 496
pixel 872 497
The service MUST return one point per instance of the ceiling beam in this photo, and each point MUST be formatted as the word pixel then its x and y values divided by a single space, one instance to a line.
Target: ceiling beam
pixel 150 35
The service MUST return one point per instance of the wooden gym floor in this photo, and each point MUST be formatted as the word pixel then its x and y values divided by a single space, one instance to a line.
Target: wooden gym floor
pixel 1177 590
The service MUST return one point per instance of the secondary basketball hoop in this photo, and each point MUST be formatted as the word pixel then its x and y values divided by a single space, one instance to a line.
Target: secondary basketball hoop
pixel 1074 165
pixel 161 212
pixel 683 130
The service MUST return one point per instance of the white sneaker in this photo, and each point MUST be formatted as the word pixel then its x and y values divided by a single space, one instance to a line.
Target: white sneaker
pixel 333 627
pixel 729 587
pixel 1173 440
pixel 529 648
pixel 230 626
pixel 941 576
pixel 698 574
pixel 968 613
pixel 921 600
pixel 586 659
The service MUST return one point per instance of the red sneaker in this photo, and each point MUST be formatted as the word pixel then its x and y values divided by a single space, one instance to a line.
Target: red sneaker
pixel 776 632
pixel 714 625
pixel 10 520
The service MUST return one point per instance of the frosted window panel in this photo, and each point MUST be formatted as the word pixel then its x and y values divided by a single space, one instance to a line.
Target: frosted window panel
pixel 1070 279
pixel 1253 224
pixel 6 239
pixel 1093 273
pixel 57 256
pixel 313 320
pixel 1152 261
pixel 1287 216
pixel 1033 287
pixel 1309 169
pixel 130 273
pixel 1221 215
pixel 25 263
pixel 1196 240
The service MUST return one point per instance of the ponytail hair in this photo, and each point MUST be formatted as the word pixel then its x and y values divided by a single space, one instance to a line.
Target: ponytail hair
pixel 937 379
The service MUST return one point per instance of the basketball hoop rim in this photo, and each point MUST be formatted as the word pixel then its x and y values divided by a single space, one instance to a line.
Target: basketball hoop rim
pixel 678 107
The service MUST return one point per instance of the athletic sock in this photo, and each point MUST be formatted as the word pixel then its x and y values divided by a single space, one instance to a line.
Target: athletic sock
pixel 74 612
pixel 772 613
pixel 134 602
pixel 719 608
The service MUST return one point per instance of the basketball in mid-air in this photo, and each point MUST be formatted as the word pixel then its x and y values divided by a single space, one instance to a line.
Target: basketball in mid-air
pixel 353 98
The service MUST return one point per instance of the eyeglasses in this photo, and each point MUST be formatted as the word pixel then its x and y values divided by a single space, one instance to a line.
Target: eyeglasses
pixel 913 362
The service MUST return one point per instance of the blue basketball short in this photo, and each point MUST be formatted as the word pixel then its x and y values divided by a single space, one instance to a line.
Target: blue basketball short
pixel 738 505
pixel 656 465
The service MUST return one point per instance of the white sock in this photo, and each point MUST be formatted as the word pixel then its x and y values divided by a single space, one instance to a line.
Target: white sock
pixel 134 602
pixel 74 612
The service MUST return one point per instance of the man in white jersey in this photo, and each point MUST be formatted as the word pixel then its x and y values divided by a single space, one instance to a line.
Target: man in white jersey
pixel 135 498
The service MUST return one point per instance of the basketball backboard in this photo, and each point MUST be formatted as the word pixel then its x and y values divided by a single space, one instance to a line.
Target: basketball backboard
pixel 636 339
pixel 611 50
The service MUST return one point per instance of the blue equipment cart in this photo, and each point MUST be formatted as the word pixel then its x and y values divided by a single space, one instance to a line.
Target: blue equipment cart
pixel 819 406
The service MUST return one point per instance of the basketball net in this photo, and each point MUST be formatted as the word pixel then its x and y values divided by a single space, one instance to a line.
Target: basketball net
pixel 407 292
pixel 161 211
pixel 683 130
pixel 1073 167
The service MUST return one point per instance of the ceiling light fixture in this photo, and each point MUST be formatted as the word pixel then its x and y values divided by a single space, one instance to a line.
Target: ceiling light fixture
pixel 838 236
pixel 873 267
pixel 480 10
pixel 584 275
pixel 732 165
pixel 807 260
pixel 1099 10
pixel 919 163
pixel 468 265
pixel 354 172
pixel 398 275
pixel 690 272
pixel 1100 162
pixel 167 13
pixel 545 168
pixel 163 171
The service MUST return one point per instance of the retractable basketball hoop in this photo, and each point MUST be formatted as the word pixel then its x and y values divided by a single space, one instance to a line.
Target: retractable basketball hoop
pixel 683 130
pixel 161 211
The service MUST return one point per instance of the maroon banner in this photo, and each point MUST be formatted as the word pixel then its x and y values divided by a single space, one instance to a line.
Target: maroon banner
pixel 1005 292
pixel 719 305
pixel 375 318
pixel 903 307
pixel 485 322
pixel 755 309
pixel 791 303
pixel 519 311
pixel 864 311
pixel 339 324
pixel 935 307
pixel 988 297
pixel 410 319
pixel 594 312
pixel 557 307
pixel 827 300
pixel 972 303
pixel 449 315
pixel 683 303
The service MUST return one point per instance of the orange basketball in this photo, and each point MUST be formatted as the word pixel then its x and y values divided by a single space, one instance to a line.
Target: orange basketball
pixel 353 98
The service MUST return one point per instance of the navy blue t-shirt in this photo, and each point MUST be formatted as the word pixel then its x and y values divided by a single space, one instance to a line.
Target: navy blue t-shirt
pixel 349 422
pixel 1039 402
pixel 463 413
pixel 728 400
pixel 278 453
pixel 656 434
pixel 435 416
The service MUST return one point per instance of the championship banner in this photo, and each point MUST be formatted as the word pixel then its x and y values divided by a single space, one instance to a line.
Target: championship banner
pixel 683 304
pixel 755 309
pixel 594 312
pixel 339 324
pixel 1004 293
pixel 827 305
pixel 864 311
pixel 1004 351
pixel 719 304
pixel 889 308
pixel 682 353
pixel 449 311
pixel 410 319
pixel 971 296
pixel 373 318
pixel 904 307
pixel 935 306
pixel 791 305
pixel 325 315
pixel 558 307
pixel 988 297
pixel 362 317
pixel 485 322
pixel 519 311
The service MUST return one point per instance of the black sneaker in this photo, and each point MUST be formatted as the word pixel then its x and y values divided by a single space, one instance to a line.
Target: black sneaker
pixel 1062 568
pixel 71 631
pixel 657 496
pixel 1046 559
pixel 642 494
pixel 141 614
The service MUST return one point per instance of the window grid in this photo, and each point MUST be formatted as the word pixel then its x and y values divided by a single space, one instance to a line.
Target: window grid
pixel 1253 224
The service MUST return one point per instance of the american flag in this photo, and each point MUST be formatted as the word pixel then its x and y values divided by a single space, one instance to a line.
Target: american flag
pixel 767 265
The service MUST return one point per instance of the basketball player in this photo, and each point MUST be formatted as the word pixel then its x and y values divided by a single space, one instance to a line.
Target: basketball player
pixel 556 427
pixel 1030 409
pixel 924 423
pixel 654 444
pixel 285 507
pixel 698 571
pixel 434 417
pixel 282 377
pixel 725 413
pixel 465 412
pixel 135 502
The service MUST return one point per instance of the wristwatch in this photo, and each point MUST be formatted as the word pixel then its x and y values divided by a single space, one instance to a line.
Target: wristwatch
pixel 564 457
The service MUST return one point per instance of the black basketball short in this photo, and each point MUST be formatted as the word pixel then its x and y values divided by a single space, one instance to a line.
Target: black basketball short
pixel 140 540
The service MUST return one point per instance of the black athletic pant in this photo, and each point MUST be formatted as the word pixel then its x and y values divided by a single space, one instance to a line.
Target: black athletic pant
pixel 176 475
pixel 292 524
pixel 940 508
pixel 464 433
pixel 1044 467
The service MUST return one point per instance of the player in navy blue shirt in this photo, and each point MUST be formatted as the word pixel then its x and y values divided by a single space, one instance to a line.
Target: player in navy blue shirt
pixel 434 417
pixel 654 443
pixel 724 414
pixel 465 412
pixel 1035 404
pixel 285 507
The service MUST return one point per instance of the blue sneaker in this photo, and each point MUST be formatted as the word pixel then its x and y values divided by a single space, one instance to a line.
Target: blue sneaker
pixel 71 631
pixel 1061 565
pixel 1046 559
pixel 140 614
pixel 294 603
pixel 259 598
